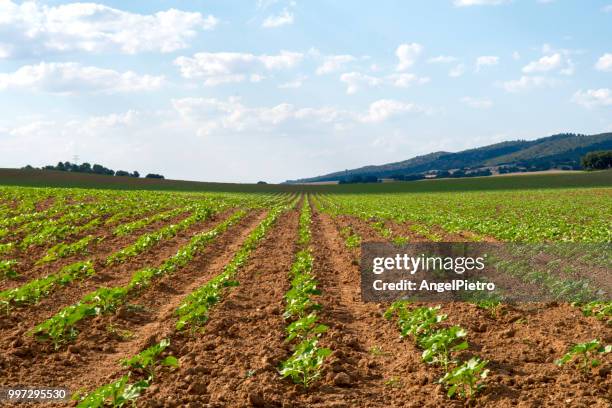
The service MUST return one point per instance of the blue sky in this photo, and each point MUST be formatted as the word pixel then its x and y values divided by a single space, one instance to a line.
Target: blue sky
pixel 242 91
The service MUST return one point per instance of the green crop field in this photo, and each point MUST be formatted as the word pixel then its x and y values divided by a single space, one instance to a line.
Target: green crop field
pixel 267 277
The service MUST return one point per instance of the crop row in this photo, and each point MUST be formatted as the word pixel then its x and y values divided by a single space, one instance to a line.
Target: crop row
pixel 192 312
pixel 464 379
pixel 123 390
pixel 60 328
pixel 305 363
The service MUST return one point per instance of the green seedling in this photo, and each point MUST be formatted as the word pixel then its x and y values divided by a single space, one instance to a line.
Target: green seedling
pixel 438 345
pixel 147 360
pixel 416 322
pixel 466 380
pixel 587 353
pixel 393 382
pixel 305 326
pixel 378 351
pixel 599 310
pixel 7 269
pixel 115 394
pixel 304 365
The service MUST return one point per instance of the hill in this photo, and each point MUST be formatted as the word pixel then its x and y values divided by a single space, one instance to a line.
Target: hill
pixel 558 151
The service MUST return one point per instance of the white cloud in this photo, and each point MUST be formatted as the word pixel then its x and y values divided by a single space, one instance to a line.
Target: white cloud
pixel 466 3
pixel 486 61
pixel 516 56
pixel 442 59
pixel 222 67
pixel 554 61
pixel 593 97
pixel 384 109
pixel 457 71
pixel 604 63
pixel 607 9
pixel 544 64
pixel 357 80
pixel 72 78
pixel 36 29
pixel 334 63
pixel 525 83
pixel 284 18
pixel 210 115
pixel 477 103
pixel 407 55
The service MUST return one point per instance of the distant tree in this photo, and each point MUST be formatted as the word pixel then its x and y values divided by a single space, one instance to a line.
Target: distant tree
pixel 597 160
pixel 359 179
pixel 60 166
pixel 261 182
pixel 122 173
pixel 98 169
pixel 28 167
pixel 85 168
pixel 135 174
pixel 154 176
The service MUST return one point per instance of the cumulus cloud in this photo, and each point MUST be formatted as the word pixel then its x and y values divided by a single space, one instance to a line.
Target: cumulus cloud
pixel 604 63
pixel 593 97
pixel 544 64
pixel 72 77
pixel 384 109
pixel 466 3
pixel 222 67
pixel 355 81
pixel 212 115
pixel 525 83
pixel 477 103
pixel 333 63
pixel 32 28
pixel 284 18
pixel 552 61
pixel 607 8
pixel 486 61
pixel 407 55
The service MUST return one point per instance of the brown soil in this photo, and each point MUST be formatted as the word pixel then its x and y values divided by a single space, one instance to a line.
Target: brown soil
pixel 233 361
pixel 27 259
pixel 94 358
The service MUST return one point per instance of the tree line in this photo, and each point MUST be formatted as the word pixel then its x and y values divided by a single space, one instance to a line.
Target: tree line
pixel 95 169
pixel 597 160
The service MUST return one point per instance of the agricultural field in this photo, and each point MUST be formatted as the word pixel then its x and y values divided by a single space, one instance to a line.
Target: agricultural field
pixel 232 299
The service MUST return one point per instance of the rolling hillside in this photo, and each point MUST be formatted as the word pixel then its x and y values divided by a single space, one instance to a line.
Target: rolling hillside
pixel 557 151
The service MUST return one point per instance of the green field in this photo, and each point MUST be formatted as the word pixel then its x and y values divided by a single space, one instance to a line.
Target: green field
pixel 39 178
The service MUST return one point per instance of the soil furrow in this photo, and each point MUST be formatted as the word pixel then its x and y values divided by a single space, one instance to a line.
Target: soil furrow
pixel 25 317
pixel 25 359
pixel 235 359
pixel 110 243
